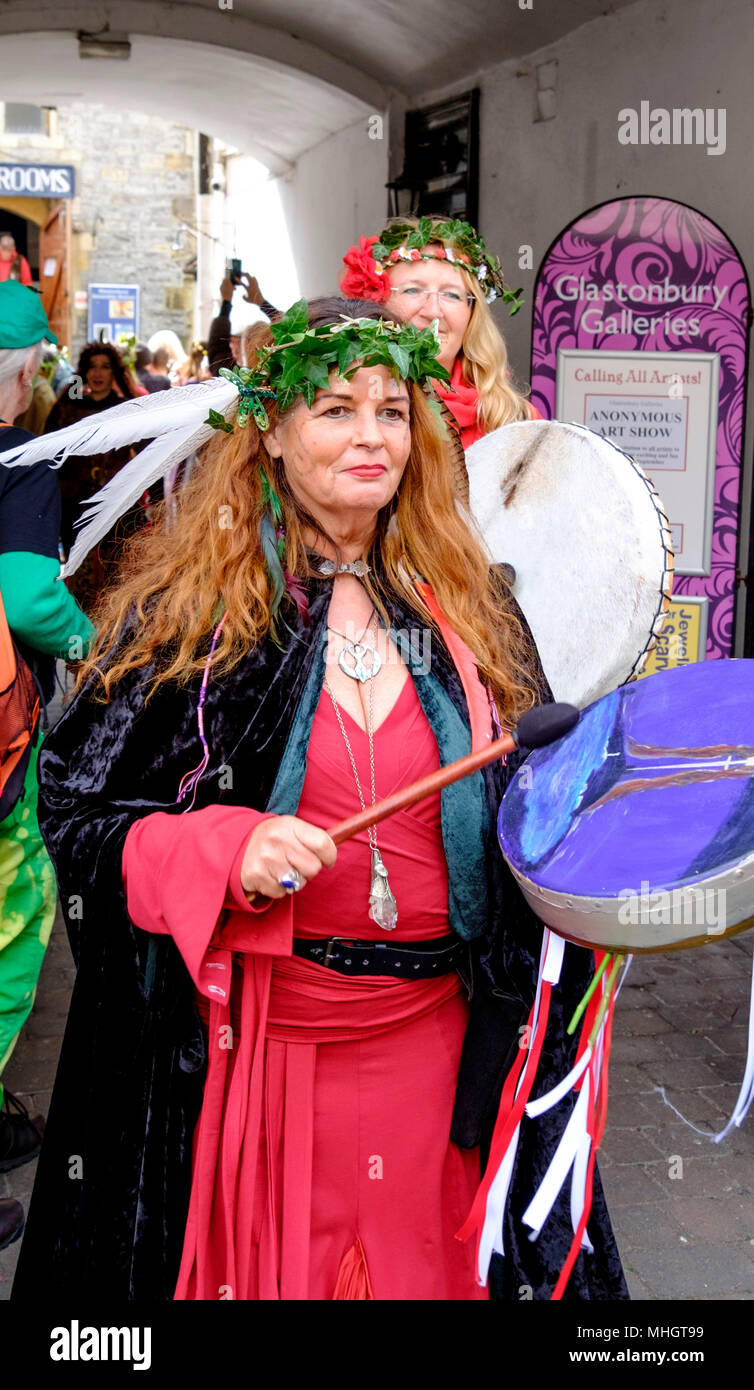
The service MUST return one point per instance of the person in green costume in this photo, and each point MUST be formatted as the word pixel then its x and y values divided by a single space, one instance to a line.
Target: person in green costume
pixel 45 622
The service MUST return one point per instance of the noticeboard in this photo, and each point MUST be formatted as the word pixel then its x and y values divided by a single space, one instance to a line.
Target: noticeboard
pixel 113 309
pixel 640 284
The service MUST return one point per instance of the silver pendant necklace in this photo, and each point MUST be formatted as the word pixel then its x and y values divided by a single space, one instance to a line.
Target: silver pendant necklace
pixel 383 908
pixel 351 657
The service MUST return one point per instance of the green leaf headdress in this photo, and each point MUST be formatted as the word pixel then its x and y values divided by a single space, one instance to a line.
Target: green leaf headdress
pixel 300 359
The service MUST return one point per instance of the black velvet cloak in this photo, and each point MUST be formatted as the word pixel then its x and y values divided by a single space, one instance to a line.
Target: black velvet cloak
pixel 111 1196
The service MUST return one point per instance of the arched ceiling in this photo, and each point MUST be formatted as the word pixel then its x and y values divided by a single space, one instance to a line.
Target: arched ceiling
pixel 262 107
pixel 271 76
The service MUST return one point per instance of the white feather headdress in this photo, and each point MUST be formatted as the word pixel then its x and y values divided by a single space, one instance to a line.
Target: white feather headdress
pixel 176 423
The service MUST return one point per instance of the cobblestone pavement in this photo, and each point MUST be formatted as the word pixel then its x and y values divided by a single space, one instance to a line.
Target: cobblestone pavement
pixel 682 1208
pixel 31 1070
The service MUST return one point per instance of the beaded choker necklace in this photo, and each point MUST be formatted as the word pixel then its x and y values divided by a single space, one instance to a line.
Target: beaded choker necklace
pixel 357 567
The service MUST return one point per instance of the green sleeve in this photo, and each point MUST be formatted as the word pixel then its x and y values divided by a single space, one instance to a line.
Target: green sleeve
pixel 40 610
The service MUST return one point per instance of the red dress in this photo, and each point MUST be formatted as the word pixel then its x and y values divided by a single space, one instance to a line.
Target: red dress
pixel 322 1165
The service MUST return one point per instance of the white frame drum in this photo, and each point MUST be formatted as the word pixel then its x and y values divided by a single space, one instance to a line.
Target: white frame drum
pixel 587 535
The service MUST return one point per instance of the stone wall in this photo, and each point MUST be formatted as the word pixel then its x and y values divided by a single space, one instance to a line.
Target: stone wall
pixel 135 185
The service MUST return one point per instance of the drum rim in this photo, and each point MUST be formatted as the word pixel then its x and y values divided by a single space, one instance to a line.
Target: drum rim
pixel 574 906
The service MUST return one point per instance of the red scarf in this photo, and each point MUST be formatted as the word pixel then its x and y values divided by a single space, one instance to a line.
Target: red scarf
pixel 462 403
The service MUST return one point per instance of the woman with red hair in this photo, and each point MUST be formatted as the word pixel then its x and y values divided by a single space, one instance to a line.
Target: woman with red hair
pixel 272 1076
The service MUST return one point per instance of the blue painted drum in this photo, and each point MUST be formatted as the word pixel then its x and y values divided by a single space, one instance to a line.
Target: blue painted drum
pixel 635 831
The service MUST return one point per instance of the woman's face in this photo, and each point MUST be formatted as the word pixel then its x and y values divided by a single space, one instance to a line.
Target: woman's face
pixel 99 378
pixel 416 287
pixel 344 458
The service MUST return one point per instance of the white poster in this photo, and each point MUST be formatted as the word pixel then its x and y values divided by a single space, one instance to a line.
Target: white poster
pixel 653 431
pixel 661 408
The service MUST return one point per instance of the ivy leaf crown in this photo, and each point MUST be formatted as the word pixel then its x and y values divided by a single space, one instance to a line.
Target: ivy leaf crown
pixel 463 241
pixel 300 359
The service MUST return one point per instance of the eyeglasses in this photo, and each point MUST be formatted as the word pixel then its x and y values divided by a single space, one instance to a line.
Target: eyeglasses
pixel 451 299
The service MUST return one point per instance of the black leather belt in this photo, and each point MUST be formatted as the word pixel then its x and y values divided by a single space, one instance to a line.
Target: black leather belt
pixel 416 960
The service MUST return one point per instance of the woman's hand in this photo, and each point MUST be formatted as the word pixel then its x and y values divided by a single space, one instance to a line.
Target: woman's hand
pixel 279 845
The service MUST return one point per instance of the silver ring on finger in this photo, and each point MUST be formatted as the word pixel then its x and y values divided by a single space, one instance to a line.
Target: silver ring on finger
pixel 291 881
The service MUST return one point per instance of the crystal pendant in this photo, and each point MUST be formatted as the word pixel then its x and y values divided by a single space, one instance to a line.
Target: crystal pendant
pixel 383 908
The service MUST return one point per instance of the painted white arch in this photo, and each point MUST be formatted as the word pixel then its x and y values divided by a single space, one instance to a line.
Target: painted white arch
pixel 269 110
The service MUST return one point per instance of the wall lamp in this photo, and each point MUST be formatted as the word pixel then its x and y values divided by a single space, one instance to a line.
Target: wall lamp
pixel 104 45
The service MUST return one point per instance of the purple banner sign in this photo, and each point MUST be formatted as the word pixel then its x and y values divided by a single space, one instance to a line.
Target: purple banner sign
pixel 648 274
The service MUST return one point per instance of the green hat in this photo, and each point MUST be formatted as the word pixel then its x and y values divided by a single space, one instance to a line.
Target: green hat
pixel 23 321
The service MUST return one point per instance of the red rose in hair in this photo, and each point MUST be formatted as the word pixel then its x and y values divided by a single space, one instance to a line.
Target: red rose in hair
pixel 440 253
pixel 363 278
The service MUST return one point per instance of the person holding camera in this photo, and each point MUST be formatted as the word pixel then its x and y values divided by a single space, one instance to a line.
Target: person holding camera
pixel 223 345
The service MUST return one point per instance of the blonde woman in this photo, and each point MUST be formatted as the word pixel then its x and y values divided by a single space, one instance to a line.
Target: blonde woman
pixel 434 268
pixel 165 340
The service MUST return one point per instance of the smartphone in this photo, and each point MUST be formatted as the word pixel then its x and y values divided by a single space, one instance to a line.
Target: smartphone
pixel 235 271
